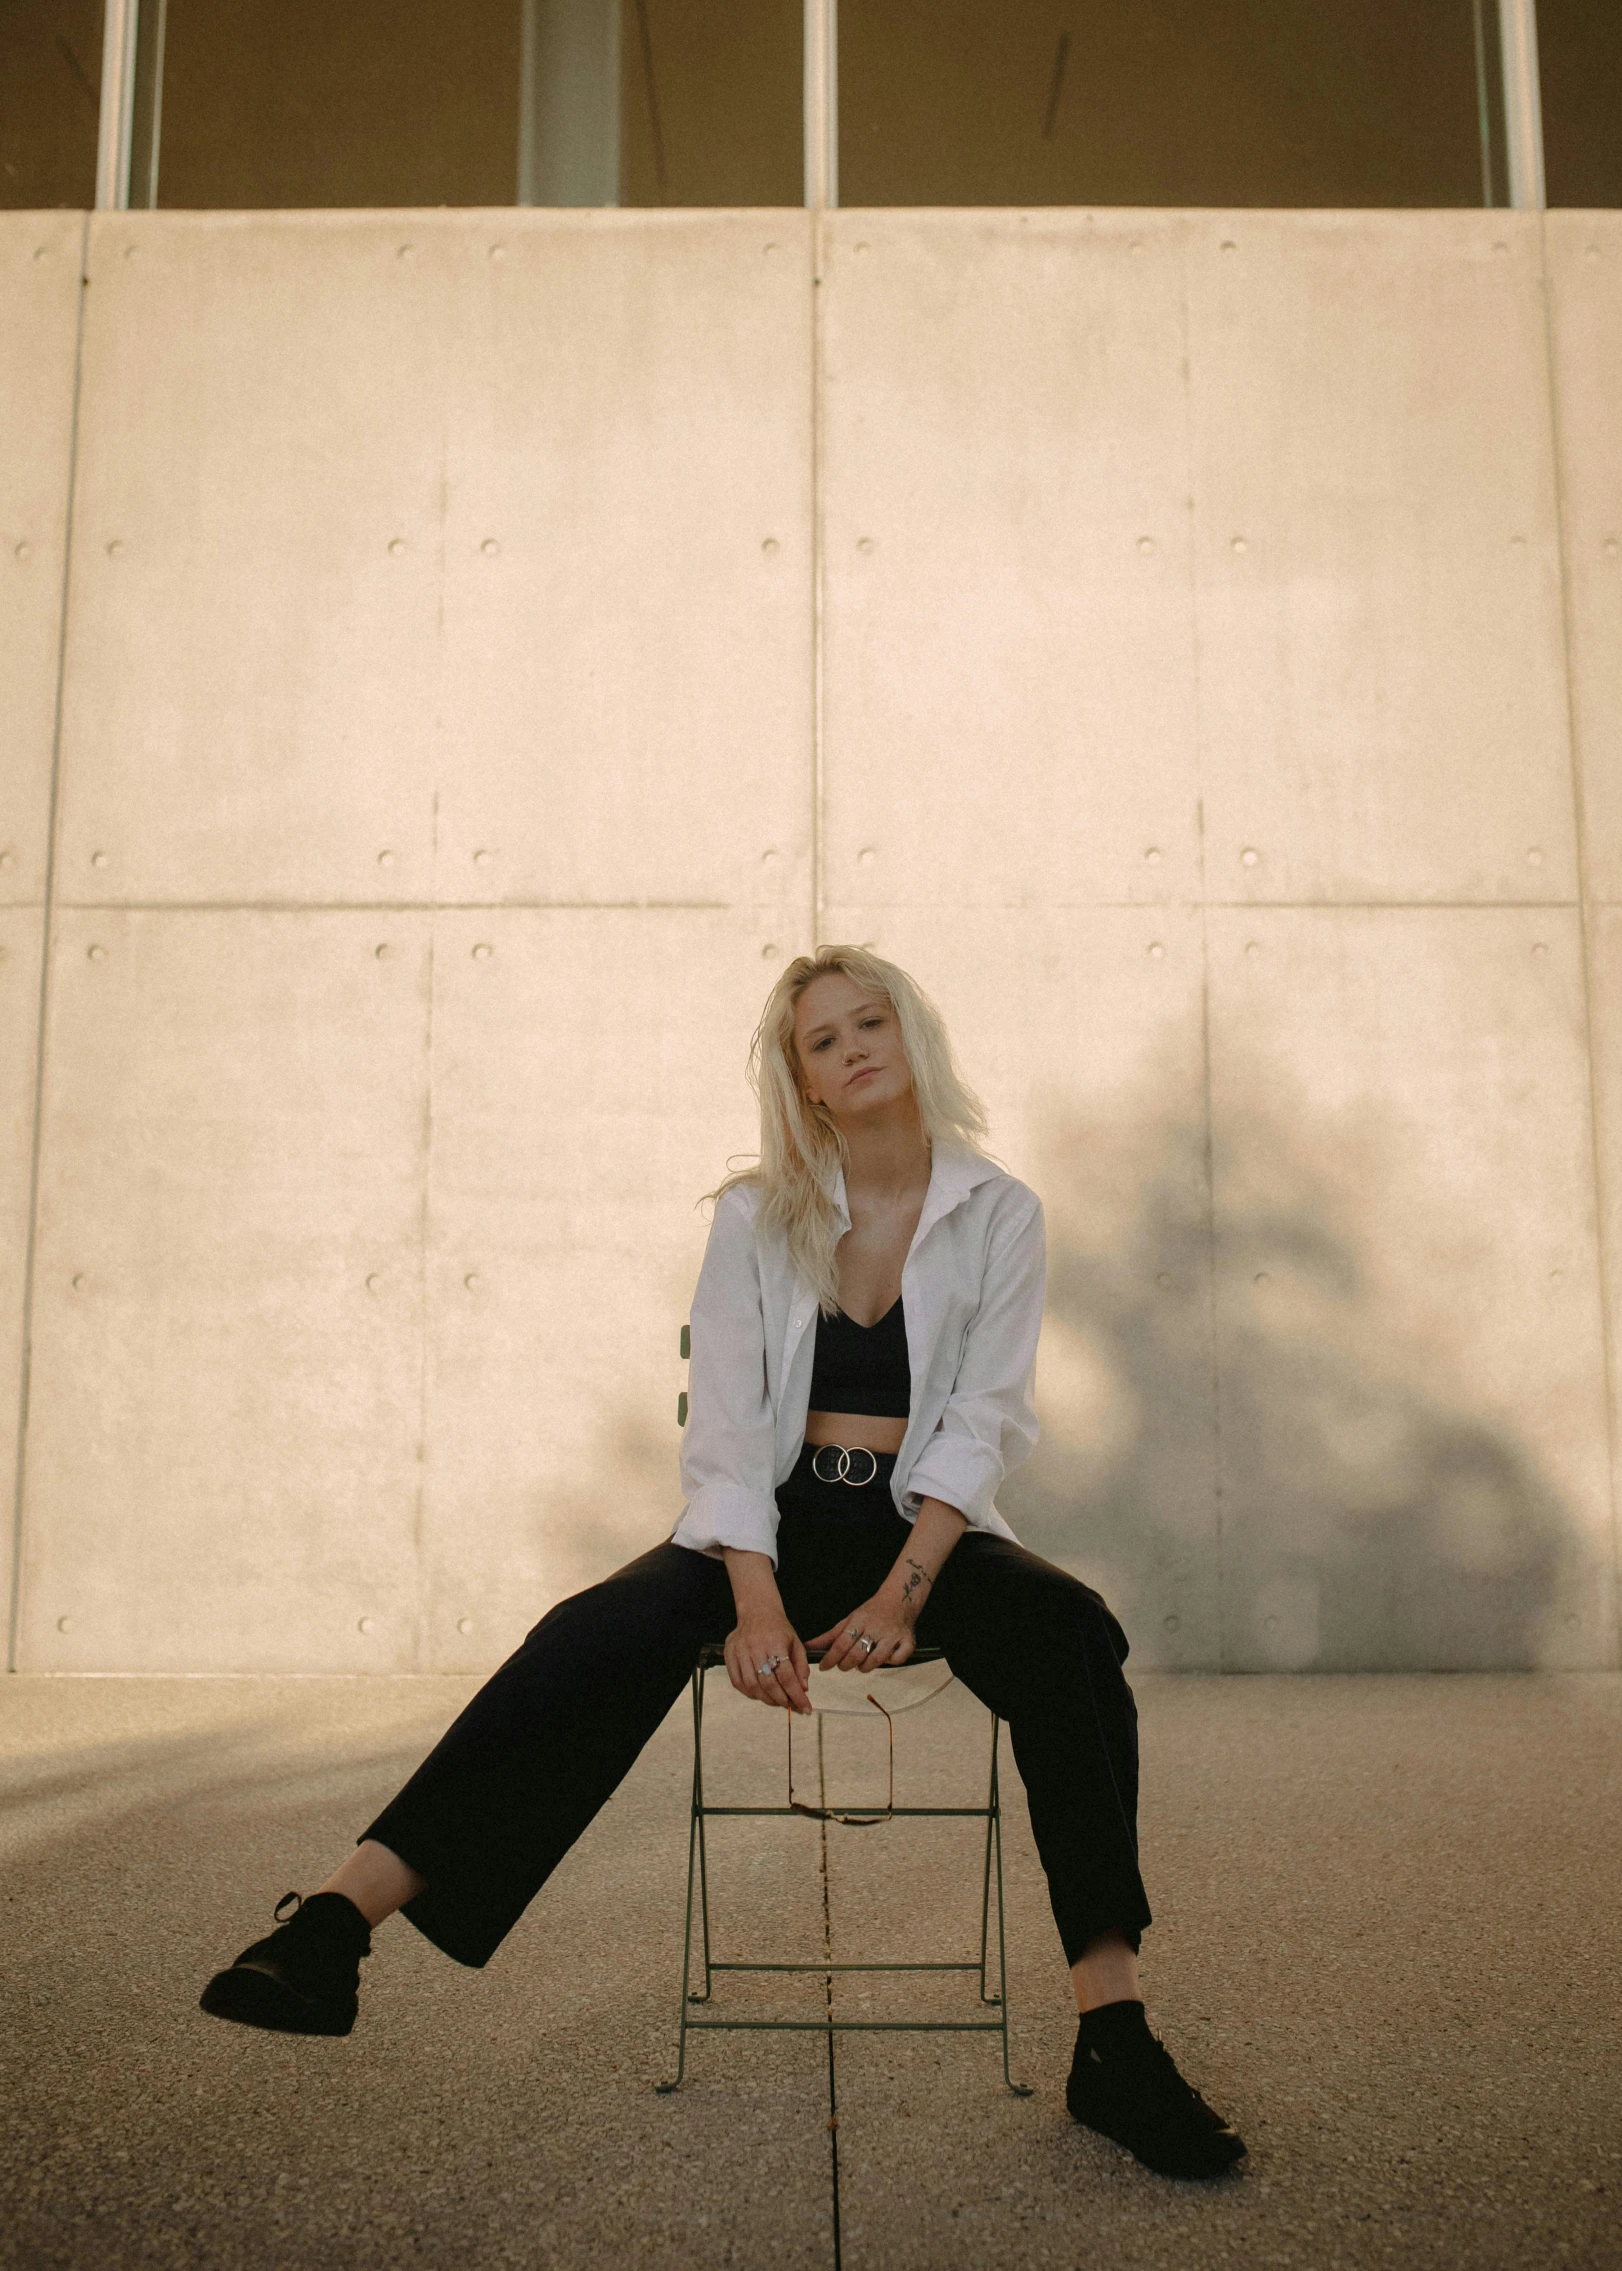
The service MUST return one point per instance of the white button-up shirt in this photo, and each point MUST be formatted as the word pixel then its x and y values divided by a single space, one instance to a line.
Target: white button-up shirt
pixel 971 1290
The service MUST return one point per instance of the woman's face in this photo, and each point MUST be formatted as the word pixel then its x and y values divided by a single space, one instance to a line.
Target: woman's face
pixel 849 1046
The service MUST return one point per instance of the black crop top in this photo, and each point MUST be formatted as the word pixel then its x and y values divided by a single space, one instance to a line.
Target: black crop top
pixel 863 1368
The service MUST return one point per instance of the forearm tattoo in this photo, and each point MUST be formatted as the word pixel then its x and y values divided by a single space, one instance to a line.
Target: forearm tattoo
pixel 920 1576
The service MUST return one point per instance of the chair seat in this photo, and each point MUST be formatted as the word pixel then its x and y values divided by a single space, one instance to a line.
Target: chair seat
pixel 713 1652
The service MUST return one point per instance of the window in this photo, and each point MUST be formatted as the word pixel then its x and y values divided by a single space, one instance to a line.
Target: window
pixel 50 98
pixel 1167 102
pixel 1580 66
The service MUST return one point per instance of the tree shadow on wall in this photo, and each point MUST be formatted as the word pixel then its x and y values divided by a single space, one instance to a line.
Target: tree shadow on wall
pixel 1243 1447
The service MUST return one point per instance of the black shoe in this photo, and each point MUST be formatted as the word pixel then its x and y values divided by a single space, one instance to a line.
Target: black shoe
pixel 304 1978
pixel 1124 2084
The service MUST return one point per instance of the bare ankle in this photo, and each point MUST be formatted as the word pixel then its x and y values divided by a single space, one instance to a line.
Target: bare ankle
pixel 1106 1972
pixel 375 1880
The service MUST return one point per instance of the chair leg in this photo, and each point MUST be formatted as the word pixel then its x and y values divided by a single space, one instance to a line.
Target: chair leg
pixel 1020 2089
pixel 695 1827
pixel 985 1885
pixel 698 1816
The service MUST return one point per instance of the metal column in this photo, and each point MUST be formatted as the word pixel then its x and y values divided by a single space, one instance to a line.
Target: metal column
pixel 1523 107
pixel 821 103
pixel 117 124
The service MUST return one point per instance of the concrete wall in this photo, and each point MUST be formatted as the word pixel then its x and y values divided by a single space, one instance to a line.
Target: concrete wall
pixel 1190 641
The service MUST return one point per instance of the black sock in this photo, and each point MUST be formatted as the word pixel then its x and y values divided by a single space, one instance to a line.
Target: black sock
pixel 333 1920
pixel 1110 2026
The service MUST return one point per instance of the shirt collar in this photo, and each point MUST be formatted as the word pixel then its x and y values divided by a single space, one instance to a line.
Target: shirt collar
pixel 954 1171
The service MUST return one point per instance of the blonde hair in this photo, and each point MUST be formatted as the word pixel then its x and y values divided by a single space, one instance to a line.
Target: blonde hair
pixel 800 1145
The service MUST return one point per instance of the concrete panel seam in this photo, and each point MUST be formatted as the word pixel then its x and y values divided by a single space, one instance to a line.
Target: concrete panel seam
pixel 730 906
pixel 25 1334
pixel 1613 1386
pixel 1208 1136
pixel 422 1638
pixel 397 906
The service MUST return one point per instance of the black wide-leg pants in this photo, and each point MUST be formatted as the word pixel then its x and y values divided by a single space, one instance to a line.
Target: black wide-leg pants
pixel 515 1779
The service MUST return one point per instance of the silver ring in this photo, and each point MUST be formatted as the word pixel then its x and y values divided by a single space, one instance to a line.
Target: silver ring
pixel 842 1472
pixel 766 1670
pixel 869 1645
pixel 853 1632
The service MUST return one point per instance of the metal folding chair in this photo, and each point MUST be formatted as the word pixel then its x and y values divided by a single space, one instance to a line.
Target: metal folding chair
pixel 698 1885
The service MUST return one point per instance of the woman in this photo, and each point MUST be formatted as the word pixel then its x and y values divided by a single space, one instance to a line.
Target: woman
pixel 863 1338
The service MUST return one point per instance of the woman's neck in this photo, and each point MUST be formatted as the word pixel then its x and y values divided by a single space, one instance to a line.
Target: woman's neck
pixel 887 1159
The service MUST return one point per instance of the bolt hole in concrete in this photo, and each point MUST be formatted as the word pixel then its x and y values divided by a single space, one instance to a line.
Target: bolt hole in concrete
pixel 464 1626
pixel 1156 950
pixel 482 953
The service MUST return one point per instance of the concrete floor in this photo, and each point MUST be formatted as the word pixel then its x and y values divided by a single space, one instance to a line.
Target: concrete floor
pixel 1388 1946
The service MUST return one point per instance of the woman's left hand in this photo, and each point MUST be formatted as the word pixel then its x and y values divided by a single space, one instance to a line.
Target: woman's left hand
pixel 883 1620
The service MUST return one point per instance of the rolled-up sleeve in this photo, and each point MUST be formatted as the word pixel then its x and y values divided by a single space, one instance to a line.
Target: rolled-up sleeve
pixel 728 1448
pixel 989 1424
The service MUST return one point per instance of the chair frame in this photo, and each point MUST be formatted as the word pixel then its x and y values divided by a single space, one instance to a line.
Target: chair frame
pixel 698 1882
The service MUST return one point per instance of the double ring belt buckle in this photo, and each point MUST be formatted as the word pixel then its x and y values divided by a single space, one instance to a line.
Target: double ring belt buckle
pixel 842 1472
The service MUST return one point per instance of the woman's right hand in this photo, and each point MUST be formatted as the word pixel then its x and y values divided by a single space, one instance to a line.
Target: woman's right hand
pixel 763 1635
pixel 760 1635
